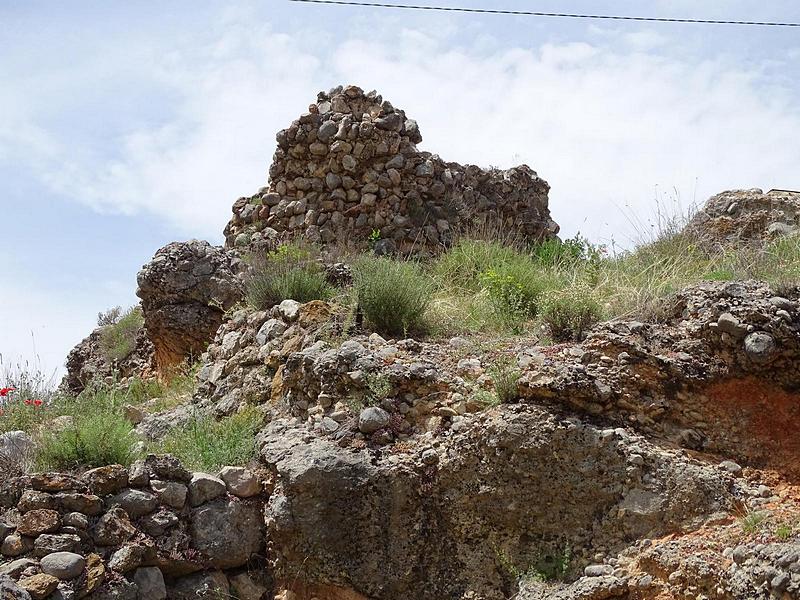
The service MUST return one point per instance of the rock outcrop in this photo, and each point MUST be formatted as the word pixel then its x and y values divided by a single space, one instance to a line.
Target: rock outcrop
pixel 348 172
pixel 185 291
pixel 89 360
pixel 747 217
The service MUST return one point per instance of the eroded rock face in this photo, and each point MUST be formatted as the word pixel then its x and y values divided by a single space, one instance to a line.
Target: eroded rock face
pixel 185 290
pixel 87 361
pixel 350 167
pixel 747 216
pixel 522 483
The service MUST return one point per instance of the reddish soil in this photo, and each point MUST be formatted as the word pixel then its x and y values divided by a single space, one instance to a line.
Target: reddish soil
pixel 760 422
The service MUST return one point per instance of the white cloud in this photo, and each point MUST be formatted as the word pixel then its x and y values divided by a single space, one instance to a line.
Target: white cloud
pixel 603 124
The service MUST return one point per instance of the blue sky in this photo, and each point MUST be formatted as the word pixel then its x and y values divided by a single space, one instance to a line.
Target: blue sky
pixel 124 126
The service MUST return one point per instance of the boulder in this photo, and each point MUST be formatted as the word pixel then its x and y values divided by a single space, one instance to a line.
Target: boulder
pixel 185 290
pixel 204 487
pixel 227 532
pixel 150 582
pixel 241 482
pixel 63 565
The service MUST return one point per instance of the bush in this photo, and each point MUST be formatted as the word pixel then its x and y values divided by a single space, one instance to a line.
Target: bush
pixel 118 340
pixel 393 296
pixel 289 273
pixel 515 290
pixel 92 440
pixel 462 265
pixel 207 444
pixel 569 313
pixel 109 317
pixel 505 376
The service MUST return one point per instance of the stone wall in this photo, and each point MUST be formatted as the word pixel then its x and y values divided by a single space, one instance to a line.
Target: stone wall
pixel 152 531
pixel 349 169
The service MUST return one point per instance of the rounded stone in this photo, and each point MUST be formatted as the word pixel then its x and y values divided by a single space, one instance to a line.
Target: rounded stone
pixel 760 346
pixel 372 419
pixel 64 565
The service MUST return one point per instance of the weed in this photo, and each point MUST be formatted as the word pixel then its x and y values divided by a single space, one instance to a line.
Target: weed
pixel 118 339
pixel 505 375
pixel 783 531
pixel 378 388
pixel 568 314
pixel 394 296
pixel 290 272
pixel 752 521
pixel 207 444
pixel 485 398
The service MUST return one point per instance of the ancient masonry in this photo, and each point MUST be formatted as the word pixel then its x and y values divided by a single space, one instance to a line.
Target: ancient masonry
pixel 349 171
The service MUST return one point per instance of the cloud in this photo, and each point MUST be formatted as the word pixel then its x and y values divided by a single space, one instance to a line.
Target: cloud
pixel 606 124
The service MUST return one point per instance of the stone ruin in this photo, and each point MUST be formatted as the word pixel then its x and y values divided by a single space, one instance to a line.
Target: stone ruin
pixel 349 172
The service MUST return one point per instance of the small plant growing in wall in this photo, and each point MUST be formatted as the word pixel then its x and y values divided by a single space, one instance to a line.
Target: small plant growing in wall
pixel 505 375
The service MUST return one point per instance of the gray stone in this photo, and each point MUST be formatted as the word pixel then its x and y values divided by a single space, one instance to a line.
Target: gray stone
pixel 270 330
pixel 9 590
pixel 204 487
pixel 241 482
pixel 731 467
pixel 76 520
pixel 49 543
pixel 119 589
pixel 372 419
pixel 64 565
pixel 227 532
pixel 289 310
pixel 598 570
pixel 126 558
pixel 150 582
pixel 729 324
pixel 244 588
pixel 136 503
pixel 760 347
pixel 16 447
pixel 15 568
pixel 170 493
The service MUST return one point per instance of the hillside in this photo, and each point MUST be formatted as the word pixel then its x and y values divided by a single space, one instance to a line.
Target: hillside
pixel 395 381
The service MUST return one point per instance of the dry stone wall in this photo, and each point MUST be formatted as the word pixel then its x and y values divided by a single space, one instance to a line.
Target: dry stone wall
pixel 153 531
pixel 348 171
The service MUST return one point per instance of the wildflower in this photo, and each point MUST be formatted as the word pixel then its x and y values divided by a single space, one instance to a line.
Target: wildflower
pixel 28 402
pixel 5 391
pixel 37 402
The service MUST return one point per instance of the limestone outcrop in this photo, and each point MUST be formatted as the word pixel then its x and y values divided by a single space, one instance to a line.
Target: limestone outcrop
pixel 348 172
pixel 89 361
pixel 747 216
pixel 185 290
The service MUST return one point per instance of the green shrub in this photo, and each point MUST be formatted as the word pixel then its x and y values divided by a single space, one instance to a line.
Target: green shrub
pixel 462 265
pixel 289 273
pixel 569 313
pixel 505 376
pixel 515 290
pixel 118 340
pixel 392 295
pixel 93 439
pixel 208 444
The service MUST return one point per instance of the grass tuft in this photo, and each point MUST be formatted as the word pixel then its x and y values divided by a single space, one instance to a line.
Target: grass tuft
pixel 208 444
pixel 118 338
pixel 394 296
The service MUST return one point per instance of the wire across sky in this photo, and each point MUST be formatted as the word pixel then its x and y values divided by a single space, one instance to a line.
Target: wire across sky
pixel 528 13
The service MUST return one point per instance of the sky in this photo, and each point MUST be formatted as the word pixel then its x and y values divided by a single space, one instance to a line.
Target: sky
pixel 124 126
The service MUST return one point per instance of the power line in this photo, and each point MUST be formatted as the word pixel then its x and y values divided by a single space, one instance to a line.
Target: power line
pixel 527 13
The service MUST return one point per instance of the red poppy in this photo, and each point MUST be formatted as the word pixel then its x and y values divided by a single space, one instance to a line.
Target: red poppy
pixel 5 391
pixel 28 402
pixel 37 402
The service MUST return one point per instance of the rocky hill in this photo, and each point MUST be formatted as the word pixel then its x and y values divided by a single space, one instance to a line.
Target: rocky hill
pixel 482 412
